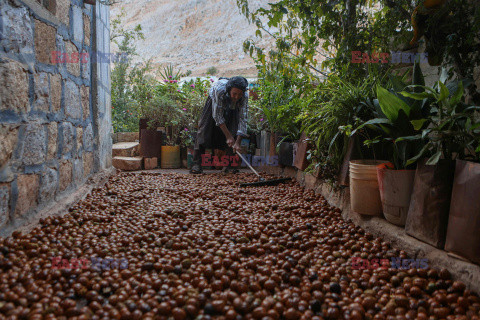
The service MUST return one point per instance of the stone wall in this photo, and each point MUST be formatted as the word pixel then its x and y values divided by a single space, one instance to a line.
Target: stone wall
pixel 53 134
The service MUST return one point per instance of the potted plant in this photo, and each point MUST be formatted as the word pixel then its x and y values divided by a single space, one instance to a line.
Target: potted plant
pixel 163 111
pixel 397 121
pixel 449 133
pixel 192 95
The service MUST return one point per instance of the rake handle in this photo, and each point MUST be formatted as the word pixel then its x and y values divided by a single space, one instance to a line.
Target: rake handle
pixel 248 164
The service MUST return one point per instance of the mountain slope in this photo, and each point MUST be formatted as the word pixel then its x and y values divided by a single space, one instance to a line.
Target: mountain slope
pixel 193 34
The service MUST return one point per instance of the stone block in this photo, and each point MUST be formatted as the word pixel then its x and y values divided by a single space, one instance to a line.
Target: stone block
pixel 88 138
pixel 87 163
pixel 48 184
pixel 41 92
pixel 14 86
pixel 67 134
pixel 34 145
pixel 73 107
pixel 77 23
pixel 300 177
pixel 8 142
pixel 27 185
pixel 310 181
pixel 126 149
pixel 56 92
pixel 16 33
pixel 86 30
pixel 85 64
pixel 127 163
pixel 45 42
pixel 85 102
pixel 79 138
pixel 125 137
pixel 4 204
pixel 52 140
pixel 51 5
pixel 78 171
pixel 150 163
pixel 63 11
pixel 66 170
pixel 73 59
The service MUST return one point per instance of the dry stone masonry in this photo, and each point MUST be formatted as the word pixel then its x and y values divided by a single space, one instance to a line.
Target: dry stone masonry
pixel 55 123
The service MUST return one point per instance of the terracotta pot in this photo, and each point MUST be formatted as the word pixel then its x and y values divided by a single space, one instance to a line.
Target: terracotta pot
pixel 463 236
pixel 273 144
pixel 395 191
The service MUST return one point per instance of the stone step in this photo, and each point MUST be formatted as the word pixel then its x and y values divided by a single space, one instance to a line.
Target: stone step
pixel 125 137
pixel 127 163
pixel 126 149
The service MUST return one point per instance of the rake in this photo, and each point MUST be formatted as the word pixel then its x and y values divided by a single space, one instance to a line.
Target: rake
pixel 261 181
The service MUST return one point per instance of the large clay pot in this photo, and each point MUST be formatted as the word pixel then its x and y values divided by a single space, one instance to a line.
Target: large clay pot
pixel 170 158
pixel 427 217
pixel 364 192
pixel 463 236
pixel 274 139
pixel 395 192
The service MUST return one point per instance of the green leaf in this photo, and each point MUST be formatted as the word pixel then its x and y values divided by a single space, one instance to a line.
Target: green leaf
pixel 434 159
pixel 418 78
pixel 391 104
pixel 457 96
pixel 372 122
pixel 418 156
pixel 418 124
pixel 409 138
pixel 417 96
pixel 444 93
pixel 444 75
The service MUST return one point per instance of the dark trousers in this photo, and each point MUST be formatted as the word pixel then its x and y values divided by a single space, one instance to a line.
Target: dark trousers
pixel 210 135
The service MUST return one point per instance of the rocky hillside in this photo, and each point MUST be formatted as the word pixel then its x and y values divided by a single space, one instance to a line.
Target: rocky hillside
pixel 193 34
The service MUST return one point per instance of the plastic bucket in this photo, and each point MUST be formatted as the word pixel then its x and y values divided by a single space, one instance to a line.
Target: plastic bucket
pixel 170 158
pixel 395 191
pixel 364 192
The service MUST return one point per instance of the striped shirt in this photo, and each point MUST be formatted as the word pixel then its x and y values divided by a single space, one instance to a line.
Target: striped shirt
pixel 220 102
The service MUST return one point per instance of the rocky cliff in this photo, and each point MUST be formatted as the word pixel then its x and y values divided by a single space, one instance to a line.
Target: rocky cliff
pixel 193 34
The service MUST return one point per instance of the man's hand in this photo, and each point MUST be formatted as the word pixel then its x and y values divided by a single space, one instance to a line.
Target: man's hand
pixel 236 147
pixel 230 142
